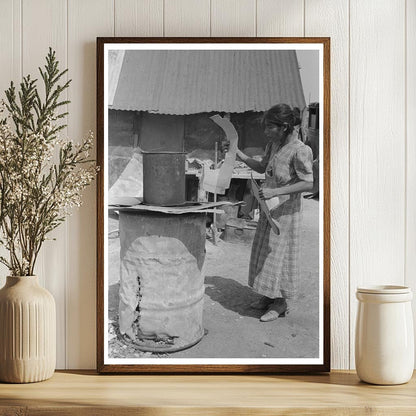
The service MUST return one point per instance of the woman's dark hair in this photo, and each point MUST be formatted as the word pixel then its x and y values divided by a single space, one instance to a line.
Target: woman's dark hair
pixel 282 115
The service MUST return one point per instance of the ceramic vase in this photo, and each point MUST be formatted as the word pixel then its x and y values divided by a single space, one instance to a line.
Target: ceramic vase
pixel 384 341
pixel 27 331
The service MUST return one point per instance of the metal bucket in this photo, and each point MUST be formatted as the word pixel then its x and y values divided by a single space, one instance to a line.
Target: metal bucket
pixel 161 280
pixel 164 178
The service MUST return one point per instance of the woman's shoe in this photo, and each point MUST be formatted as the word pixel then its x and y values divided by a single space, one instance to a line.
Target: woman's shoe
pixel 276 310
pixel 270 315
pixel 262 304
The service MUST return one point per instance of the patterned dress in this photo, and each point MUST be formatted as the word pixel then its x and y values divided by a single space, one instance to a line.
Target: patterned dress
pixel 274 258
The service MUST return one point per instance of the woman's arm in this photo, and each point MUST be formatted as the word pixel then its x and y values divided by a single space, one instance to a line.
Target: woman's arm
pixel 254 164
pixel 301 186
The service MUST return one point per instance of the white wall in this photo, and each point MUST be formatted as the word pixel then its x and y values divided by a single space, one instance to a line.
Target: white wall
pixel 373 125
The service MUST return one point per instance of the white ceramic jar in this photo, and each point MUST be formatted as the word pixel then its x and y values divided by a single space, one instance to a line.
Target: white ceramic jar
pixel 384 340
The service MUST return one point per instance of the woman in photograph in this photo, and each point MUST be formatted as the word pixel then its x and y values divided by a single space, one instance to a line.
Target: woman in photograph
pixel 287 164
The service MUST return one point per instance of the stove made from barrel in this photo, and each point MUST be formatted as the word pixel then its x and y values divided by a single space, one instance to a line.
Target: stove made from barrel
pixel 161 279
pixel 162 257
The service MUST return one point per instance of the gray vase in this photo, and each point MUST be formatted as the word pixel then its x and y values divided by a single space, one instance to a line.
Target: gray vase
pixel 27 331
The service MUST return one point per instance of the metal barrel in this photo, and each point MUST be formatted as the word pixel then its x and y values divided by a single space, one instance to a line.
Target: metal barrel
pixel 164 178
pixel 161 280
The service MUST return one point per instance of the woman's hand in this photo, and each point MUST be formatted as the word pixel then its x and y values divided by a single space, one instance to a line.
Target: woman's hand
pixel 267 193
pixel 256 165
pixel 225 147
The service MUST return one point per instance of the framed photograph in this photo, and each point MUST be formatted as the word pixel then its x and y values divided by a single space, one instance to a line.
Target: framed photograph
pixel 213 205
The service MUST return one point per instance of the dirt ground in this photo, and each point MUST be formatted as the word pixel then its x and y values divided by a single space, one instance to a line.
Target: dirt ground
pixel 232 328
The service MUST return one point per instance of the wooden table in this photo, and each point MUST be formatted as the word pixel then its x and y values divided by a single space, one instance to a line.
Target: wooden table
pixel 86 393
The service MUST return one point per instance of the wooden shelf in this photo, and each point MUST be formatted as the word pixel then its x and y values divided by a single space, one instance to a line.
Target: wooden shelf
pixel 86 393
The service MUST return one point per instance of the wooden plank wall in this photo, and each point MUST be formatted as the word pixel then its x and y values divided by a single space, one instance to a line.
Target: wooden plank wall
pixel 410 137
pixel 373 127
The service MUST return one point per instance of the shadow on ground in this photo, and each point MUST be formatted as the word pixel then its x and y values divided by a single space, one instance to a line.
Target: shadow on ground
pixel 232 295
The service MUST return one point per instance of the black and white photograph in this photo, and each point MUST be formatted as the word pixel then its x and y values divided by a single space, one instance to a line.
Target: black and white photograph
pixel 213 193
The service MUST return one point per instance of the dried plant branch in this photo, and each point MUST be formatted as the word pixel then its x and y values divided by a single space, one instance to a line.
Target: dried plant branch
pixel 41 176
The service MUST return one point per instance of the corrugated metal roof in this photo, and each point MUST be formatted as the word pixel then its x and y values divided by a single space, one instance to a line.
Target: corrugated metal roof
pixel 191 81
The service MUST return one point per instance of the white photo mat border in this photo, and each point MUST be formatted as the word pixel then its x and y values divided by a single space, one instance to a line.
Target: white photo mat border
pixel 219 361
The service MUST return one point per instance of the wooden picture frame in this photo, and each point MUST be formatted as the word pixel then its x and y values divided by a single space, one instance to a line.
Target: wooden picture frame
pixel 147 105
